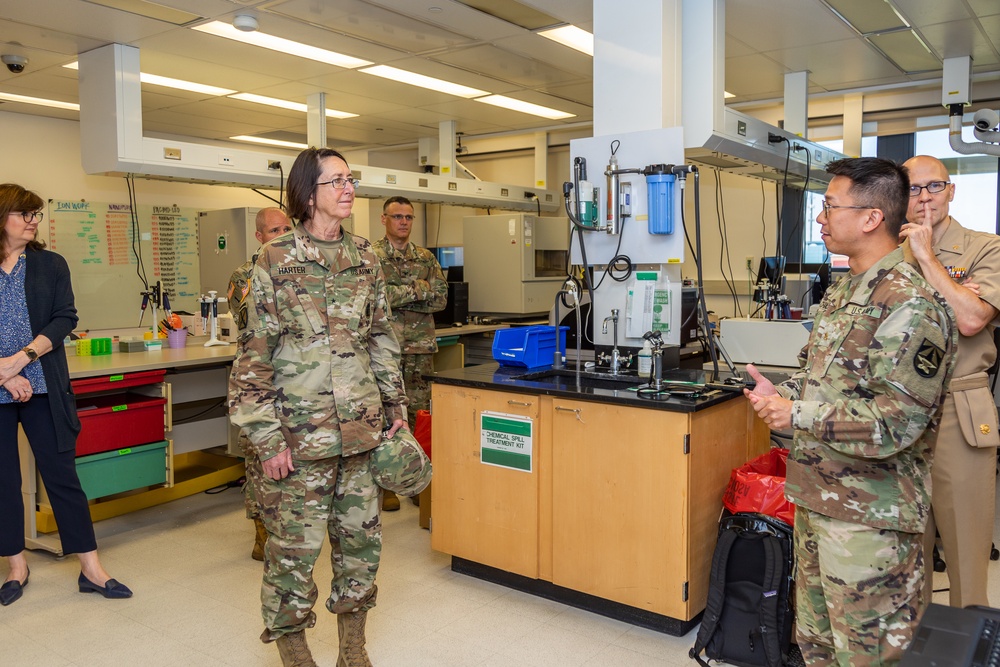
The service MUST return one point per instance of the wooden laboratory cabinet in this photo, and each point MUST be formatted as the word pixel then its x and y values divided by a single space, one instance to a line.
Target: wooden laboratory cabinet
pixel 622 502
pixel 487 514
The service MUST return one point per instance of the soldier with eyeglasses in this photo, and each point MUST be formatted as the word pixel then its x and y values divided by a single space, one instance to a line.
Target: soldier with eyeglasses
pixel 964 267
pixel 417 289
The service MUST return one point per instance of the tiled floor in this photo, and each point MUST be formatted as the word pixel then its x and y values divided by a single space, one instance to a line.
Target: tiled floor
pixel 197 604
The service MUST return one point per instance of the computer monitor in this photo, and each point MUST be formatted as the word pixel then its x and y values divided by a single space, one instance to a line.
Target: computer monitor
pixel 771 269
pixel 456 274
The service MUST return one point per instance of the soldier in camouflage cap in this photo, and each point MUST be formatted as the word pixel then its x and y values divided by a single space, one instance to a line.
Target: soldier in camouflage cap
pixel 315 380
pixel 865 408
pixel 271 222
pixel 417 289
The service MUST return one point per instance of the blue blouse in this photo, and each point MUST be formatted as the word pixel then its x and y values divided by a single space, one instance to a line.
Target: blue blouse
pixel 15 329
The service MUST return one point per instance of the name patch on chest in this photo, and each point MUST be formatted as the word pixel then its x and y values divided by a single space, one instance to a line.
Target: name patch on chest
pixel 864 311
pixel 285 270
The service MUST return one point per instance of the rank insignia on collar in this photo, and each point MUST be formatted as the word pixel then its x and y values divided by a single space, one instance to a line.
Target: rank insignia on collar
pixel 927 362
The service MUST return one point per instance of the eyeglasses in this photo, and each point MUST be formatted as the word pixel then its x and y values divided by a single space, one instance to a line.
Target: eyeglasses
pixel 341 183
pixel 28 216
pixel 399 217
pixel 933 187
pixel 828 207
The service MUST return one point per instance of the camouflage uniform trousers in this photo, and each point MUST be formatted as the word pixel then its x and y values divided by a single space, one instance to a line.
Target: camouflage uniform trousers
pixel 335 499
pixel 858 590
pixel 418 390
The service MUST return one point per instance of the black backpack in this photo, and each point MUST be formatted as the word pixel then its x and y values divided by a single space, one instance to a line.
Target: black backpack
pixel 748 617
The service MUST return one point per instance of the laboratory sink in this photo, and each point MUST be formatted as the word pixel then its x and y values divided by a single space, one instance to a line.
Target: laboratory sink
pixel 591 378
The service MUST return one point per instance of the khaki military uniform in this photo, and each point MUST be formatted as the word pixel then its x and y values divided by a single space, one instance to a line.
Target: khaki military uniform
pixel 317 373
pixel 417 289
pixel 866 405
pixel 965 453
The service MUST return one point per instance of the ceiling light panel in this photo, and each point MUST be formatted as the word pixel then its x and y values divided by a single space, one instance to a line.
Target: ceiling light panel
pixel 524 107
pixel 269 142
pixel 167 82
pixel 286 104
pixel 571 36
pixel 280 44
pixel 39 101
pixel 414 79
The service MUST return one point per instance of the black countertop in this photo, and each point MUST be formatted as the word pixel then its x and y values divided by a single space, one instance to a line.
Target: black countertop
pixel 597 387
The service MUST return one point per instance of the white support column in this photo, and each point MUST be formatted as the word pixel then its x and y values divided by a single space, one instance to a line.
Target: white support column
pixel 541 159
pixel 109 87
pixel 703 30
pixel 446 147
pixel 637 65
pixel 316 120
pixel 797 103
pixel 854 112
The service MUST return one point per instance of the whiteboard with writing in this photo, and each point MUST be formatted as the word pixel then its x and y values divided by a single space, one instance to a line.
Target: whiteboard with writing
pixel 100 242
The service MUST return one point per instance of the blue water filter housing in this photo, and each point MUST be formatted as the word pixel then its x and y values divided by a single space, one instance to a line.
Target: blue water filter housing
pixel 660 196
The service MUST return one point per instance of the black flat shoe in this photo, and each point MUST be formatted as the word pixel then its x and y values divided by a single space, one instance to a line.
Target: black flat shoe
pixel 12 591
pixel 112 589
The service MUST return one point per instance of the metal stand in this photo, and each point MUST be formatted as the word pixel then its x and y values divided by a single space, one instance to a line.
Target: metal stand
pixel 212 300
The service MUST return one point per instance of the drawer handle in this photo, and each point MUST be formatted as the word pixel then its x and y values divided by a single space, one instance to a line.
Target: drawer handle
pixel 527 405
pixel 577 411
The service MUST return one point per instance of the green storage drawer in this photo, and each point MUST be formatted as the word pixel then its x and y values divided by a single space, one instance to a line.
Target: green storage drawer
pixel 121 470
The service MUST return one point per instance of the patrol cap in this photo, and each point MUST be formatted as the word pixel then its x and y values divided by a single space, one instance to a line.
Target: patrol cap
pixel 400 465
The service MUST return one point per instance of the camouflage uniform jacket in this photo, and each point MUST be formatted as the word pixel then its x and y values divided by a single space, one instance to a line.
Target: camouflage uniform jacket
pixel 416 288
pixel 318 371
pixel 868 399
pixel 239 290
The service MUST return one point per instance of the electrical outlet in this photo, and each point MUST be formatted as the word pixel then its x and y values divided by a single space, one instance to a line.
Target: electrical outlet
pixel 226 160
pixel 749 262
pixel 273 164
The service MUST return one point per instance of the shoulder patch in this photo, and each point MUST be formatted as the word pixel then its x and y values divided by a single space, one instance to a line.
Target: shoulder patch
pixel 927 361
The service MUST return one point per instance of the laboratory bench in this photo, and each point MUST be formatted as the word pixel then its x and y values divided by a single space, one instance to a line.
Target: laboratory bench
pixel 582 491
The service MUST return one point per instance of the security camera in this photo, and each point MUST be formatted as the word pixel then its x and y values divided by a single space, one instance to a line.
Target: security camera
pixel 15 64
pixel 985 119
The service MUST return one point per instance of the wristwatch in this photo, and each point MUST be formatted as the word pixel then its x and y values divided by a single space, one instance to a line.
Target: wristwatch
pixel 32 355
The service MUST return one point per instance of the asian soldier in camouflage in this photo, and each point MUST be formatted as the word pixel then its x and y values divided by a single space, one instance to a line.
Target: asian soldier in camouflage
pixel 864 408
pixel 270 222
pixel 315 380
pixel 417 289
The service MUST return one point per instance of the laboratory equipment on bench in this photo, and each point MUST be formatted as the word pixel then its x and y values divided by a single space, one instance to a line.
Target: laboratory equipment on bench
pixel 210 312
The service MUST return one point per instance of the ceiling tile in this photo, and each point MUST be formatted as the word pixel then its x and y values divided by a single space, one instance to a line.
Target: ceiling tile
pixel 506 66
pixel 453 16
pixel 784 24
pixel 953 39
pixel 926 12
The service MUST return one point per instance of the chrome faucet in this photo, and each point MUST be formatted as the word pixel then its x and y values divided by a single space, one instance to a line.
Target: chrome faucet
pixel 656 342
pixel 615 360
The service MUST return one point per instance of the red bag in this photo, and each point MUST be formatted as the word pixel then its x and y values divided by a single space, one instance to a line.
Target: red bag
pixel 759 486
pixel 422 431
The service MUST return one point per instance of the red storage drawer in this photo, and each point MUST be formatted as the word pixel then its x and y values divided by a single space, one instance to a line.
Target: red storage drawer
pixel 112 382
pixel 117 421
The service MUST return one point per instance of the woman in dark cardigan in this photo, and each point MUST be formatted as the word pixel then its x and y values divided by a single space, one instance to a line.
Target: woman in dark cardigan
pixel 36 314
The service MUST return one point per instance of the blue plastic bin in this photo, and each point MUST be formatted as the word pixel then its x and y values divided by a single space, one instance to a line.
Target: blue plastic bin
pixel 528 347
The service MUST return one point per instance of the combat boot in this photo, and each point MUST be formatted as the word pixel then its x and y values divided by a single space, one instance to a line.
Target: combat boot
pixel 294 650
pixel 351 628
pixel 390 503
pixel 259 540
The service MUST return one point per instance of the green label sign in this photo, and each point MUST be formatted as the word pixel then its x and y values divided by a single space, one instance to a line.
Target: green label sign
pixel 116 378
pixel 119 408
pixel 506 441
pixel 123 452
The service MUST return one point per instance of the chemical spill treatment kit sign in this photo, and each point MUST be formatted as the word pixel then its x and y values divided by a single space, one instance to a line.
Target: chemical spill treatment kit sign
pixel 505 441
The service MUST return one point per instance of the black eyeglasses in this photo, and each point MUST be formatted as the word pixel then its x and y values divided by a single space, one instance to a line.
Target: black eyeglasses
pixel 828 207
pixel 399 217
pixel 933 187
pixel 341 183
pixel 28 216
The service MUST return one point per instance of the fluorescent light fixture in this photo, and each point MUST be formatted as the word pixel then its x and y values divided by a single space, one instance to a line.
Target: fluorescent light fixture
pixel 402 76
pixel 156 80
pixel 40 101
pixel 524 107
pixel 270 142
pixel 285 104
pixel 180 84
pixel 263 40
pixel 571 36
